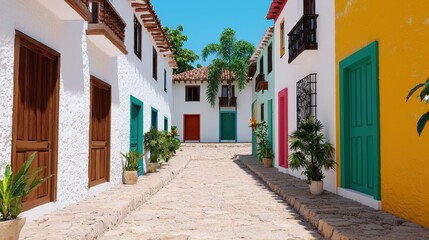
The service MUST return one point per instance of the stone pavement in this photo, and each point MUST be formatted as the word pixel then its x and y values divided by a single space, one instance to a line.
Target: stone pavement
pixel 89 218
pixel 215 197
pixel 335 217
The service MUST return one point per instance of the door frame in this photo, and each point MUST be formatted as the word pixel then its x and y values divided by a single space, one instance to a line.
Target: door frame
pixel 370 52
pixel 140 104
pixel 21 38
pixel 220 125
pixel 283 129
pixel 184 126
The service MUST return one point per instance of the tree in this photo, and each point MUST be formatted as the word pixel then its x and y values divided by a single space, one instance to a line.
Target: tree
pixel 424 95
pixel 232 57
pixel 183 56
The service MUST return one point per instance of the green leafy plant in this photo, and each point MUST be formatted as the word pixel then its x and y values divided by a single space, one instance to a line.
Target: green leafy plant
pixel 155 143
pixel 15 187
pixel 312 151
pixel 172 140
pixel 232 57
pixel 263 149
pixel 132 160
pixel 424 95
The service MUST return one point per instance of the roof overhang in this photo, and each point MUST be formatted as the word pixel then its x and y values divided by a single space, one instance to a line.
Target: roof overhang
pixel 275 9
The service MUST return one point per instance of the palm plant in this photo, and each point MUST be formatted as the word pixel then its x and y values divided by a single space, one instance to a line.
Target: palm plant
pixel 424 95
pixel 232 58
pixel 15 187
pixel 132 160
pixel 311 150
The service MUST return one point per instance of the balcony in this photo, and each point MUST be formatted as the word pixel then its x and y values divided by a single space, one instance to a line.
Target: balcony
pixel 223 102
pixel 68 9
pixel 107 28
pixel 303 36
pixel 261 84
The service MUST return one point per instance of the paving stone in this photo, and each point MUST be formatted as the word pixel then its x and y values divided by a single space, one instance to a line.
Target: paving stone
pixel 336 217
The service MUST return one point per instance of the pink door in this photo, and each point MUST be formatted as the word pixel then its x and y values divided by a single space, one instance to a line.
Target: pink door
pixel 283 128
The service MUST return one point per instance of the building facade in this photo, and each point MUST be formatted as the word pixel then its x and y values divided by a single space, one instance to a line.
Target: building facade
pixel 198 121
pixel 80 81
pixel 382 160
pixel 261 70
pixel 304 69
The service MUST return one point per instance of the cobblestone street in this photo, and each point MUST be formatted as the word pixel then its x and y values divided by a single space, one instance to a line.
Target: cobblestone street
pixel 214 198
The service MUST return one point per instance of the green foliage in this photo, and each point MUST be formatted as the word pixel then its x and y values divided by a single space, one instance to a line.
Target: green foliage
pixel 15 187
pixel 263 149
pixel 132 160
pixel 311 150
pixel 184 57
pixel 161 145
pixel 424 95
pixel 230 55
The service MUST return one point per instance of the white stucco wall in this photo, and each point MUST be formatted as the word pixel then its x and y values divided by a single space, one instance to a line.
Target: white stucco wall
pixel 209 116
pixel 80 58
pixel 321 61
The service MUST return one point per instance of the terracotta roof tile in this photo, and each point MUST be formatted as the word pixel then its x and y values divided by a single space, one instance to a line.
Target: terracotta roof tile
pixel 198 74
pixel 275 9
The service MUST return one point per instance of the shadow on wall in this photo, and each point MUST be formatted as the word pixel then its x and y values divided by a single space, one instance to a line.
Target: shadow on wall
pixel 73 55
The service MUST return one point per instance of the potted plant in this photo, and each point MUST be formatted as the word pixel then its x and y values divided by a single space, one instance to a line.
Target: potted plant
pixel 264 152
pixel 14 188
pixel 155 143
pixel 312 152
pixel 131 167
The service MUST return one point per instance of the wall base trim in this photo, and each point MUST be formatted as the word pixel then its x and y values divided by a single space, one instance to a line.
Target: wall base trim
pixel 359 197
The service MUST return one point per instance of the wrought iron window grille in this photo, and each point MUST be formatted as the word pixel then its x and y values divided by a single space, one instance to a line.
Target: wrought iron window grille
pixel 306 98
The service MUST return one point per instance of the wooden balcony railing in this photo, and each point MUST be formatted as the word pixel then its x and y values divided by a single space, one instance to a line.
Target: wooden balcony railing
pixel 107 21
pixel 303 36
pixel 223 102
pixel 261 84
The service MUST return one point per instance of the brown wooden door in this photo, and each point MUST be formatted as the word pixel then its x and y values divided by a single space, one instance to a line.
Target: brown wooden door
pixel 192 127
pixel 35 113
pixel 99 135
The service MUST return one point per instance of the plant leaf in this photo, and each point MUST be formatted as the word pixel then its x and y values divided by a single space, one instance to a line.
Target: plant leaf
pixel 422 122
pixel 412 91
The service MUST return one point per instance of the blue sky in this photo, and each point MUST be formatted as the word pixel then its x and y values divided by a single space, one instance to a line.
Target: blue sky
pixel 204 20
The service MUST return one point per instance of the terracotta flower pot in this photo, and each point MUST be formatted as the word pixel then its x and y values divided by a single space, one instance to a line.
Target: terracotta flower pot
pixel 267 162
pixel 130 177
pixel 11 229
pixel 316 187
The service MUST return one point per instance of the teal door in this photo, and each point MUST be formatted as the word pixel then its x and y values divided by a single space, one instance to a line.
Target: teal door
pixel 270 123
pixel 136 129
pixel 360 149
pixel 227 126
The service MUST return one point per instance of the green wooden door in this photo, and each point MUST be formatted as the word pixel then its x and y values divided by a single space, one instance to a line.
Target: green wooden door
pixel 227 126
pixel 360 150
pixel 136 129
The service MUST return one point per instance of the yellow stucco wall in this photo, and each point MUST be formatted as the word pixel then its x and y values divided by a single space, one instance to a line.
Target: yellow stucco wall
pixel 402 29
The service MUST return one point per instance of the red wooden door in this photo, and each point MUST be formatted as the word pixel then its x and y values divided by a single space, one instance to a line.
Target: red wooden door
pixel 192 128
pixel 35 113
pixel 283 128
pixel 99 135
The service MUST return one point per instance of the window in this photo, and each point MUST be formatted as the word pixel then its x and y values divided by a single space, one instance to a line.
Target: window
pixel 137 38
pixel 225 91
pixel 155 64
pixel 261 65
pixel 282 38
pixel 165 80
pixel 306 100
pixel 270 58
pixel 154 118
pixel 309 7
pixel 192 93
pixel 166 124
pixel 262 112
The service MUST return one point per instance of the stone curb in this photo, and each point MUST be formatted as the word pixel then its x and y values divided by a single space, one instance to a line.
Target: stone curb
pixel 334 216
pixel 91 217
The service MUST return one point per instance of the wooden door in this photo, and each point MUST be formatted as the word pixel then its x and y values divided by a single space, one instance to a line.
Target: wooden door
pixel 99 135
pixel 359 118
pixel 191 127
pixel 283 128
pixel 228 126
pixel 35 113
pixel 136 129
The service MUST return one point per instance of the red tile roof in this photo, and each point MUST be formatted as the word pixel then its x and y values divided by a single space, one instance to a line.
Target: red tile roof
pixel 275 9
pixel 198 74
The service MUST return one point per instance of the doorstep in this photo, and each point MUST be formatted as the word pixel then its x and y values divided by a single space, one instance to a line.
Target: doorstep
pixel 334 216
pixel 90 218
